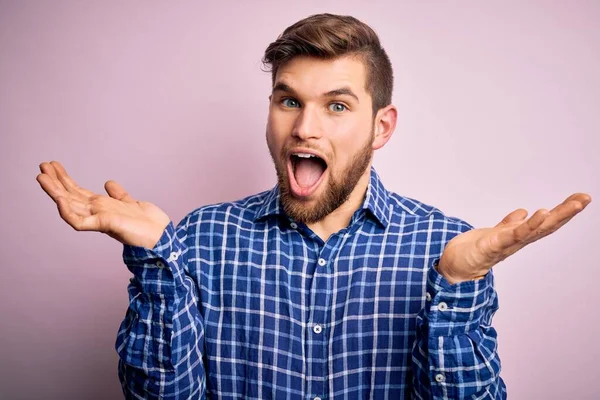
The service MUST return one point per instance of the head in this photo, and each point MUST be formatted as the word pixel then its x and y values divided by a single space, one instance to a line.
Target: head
pixel 329 109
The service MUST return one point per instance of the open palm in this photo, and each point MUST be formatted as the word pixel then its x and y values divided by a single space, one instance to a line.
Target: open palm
pixel 132 222
pixel 472 254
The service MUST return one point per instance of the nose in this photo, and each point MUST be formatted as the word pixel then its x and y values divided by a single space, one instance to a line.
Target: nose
pixel 308 124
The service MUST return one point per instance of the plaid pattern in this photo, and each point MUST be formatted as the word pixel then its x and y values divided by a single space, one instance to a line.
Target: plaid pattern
pixel 238 301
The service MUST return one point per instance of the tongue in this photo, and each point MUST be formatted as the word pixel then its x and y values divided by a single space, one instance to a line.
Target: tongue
pixel 308 171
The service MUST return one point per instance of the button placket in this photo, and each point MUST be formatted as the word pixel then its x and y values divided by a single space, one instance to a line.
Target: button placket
pixel 318 319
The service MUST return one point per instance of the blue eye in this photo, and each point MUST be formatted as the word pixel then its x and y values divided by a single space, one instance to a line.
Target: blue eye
pixel 291 103
pixel 337 107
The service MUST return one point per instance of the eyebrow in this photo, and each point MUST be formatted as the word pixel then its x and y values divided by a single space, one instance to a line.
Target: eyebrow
pixel 340 92
pixel 282 87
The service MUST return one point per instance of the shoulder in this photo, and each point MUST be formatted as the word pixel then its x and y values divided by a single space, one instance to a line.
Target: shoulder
pixel 417 212
pixel 244 209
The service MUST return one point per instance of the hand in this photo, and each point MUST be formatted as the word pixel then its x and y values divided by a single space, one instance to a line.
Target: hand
pixel 131 222
pixel 472 254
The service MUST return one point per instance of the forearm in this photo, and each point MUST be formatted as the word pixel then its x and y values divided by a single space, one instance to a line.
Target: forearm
pixel 455 353
pixel 160 341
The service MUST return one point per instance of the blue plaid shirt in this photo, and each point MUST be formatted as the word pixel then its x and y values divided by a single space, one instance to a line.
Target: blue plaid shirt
pixel 239 301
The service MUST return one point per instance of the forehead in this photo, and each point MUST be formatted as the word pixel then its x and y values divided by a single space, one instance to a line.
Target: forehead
pixel 313 76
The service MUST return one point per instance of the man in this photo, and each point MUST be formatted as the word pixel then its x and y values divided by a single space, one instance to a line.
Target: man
pixel 327 286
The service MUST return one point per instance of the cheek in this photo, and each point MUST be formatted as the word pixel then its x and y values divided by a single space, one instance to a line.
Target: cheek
pixel 274 138
pixel 271 140
pixel 347 143
pixel 343 154
pixel 279 122
pixel 277 127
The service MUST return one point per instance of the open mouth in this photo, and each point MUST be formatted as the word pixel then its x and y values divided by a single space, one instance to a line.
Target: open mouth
pixel 306 173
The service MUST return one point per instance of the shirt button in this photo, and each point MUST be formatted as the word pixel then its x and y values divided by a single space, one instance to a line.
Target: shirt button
pixel 322 262
pixel 160 264
pixel 440 378
pixel 428 296
pixel 174 256
pixel 317 398
pixel 317 329
pixel 294 225
pixel 442 306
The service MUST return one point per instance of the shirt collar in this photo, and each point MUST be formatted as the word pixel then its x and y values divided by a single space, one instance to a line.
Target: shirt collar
pixel 376 202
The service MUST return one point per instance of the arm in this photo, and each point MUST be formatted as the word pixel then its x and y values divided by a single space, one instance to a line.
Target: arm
pixel 455 353
pixel 455 350
pixel 161 340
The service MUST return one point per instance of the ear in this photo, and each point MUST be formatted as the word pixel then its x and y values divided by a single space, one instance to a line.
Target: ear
pixel 385 124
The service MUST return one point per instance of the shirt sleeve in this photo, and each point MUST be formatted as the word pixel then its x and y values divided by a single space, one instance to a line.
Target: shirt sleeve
pixel 455 354
pixel 160 342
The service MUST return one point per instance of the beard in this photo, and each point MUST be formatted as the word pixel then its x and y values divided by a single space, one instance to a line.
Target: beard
pixel 336 193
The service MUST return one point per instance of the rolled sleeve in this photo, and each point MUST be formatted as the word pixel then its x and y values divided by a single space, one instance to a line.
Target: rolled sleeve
pixel 455 353
pixel 458 308
pixel 157 270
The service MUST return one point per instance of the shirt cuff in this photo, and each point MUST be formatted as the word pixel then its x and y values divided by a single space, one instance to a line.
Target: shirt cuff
pixel 453 309
pixel 158 270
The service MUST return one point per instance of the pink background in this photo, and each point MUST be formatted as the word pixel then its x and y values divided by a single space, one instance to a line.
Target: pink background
pixel 499 109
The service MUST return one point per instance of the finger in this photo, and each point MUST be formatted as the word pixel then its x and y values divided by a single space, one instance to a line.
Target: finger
pixel 78 222
pixel 546 232
pixel 583 198
pixel 531 225
pixel 515 216
pixel 69 183
pixel 511 236
pixel 575 203
pixel 557 218
pixel 51 187
pixel 117 191
pixel 568 209
pixel 48 169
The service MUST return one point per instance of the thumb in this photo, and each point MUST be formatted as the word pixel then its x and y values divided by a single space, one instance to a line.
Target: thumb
pixel 515 216
pixel 117 191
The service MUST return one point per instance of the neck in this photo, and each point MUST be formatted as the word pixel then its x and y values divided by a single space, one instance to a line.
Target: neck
pixel 340 218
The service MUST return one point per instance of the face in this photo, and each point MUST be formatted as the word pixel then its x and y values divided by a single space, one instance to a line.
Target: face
pixel 320 134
